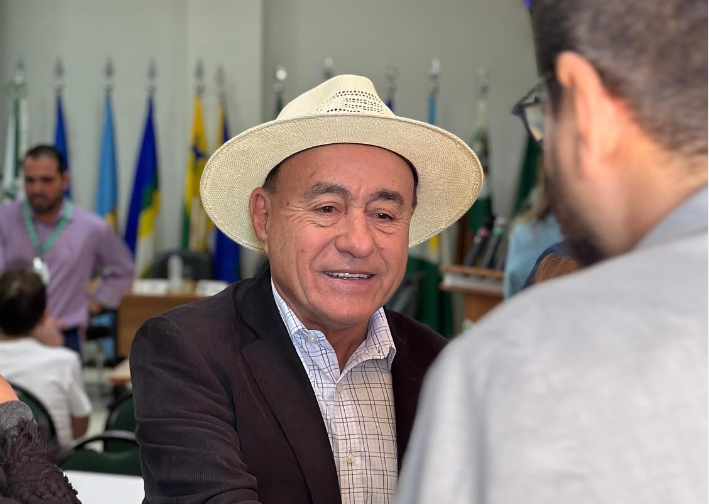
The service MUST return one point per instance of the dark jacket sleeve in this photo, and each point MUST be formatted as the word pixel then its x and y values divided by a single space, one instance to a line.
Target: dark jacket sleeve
pixel 190 449
pixel 27 472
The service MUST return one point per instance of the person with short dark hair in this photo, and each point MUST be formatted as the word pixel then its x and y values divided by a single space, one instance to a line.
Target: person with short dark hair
pixel 592 387
pixel 51 374
pixel 64 244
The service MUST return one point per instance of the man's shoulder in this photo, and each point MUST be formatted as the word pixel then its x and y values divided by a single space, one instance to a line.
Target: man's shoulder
pixel 211 310
pixel 48 356
pixel 211 329
pixel 86 217
pixel 205 316
pixel 626 305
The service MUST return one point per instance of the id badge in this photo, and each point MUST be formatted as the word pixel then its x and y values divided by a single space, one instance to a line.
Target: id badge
pixel 42 269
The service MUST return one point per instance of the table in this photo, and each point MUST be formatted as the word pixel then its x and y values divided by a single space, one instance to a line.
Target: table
pixel 481 288
pixel 120 374
pixel 98 488
pixel 135 309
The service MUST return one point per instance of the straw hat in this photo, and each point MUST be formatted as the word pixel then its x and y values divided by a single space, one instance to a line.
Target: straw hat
pixel 344 109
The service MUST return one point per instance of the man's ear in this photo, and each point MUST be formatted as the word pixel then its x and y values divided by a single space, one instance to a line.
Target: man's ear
pixel 597 114
pixel 260 207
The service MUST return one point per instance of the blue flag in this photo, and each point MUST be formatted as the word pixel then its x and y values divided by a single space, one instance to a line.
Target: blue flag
pixel 145 201
pixel 226 251
pixel 107 190
pixel 60 139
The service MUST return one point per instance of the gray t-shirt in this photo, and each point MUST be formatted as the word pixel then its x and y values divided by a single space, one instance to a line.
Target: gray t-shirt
pixel 591 388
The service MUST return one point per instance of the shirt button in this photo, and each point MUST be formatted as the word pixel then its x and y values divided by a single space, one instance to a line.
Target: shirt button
pixel 312 338
pixel 350 458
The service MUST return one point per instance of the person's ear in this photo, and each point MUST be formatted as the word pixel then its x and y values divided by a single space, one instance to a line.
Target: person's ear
pixel 260 207
pixel 65 179
pixel 597 114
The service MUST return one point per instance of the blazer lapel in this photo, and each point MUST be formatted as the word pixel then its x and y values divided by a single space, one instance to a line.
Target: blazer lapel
pixel 407 372
pixel 284 383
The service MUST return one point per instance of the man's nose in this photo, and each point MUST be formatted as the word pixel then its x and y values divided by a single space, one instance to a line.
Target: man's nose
pixel 356 235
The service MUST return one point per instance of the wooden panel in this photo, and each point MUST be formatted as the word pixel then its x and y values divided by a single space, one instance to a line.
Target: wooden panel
pixel 477 305
pixel 481 288
pixel 136 309
pixel 120 374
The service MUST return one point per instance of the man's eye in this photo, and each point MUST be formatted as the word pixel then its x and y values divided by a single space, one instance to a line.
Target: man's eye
pixel 326 209
pixel 384 216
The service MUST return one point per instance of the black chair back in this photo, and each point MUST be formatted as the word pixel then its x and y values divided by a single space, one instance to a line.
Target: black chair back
pixel 39 410
pixel 199 263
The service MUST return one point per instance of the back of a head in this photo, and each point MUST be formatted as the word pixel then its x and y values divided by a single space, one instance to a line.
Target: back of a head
pixel 652 54
pixel 23 300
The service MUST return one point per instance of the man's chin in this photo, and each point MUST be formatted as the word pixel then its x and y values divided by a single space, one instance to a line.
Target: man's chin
pixel 42 207
pixel 39 208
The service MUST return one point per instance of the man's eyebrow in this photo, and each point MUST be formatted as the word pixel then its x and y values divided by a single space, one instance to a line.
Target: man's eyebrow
pixel 322 188
pixel 387 195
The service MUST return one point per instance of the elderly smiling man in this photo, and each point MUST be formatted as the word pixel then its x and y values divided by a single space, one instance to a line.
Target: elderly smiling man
pixel 297 386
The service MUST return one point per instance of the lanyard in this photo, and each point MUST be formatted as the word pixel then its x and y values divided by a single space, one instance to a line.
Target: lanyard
pixel 32 232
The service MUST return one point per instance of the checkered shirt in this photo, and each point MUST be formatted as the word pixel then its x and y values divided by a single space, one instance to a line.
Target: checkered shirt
pixel 357 405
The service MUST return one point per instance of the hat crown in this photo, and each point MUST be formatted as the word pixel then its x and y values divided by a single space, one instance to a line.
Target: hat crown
pixel 344 94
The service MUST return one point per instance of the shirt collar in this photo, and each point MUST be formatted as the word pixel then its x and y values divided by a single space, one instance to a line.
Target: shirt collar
pixel 379 343
pixel 687 219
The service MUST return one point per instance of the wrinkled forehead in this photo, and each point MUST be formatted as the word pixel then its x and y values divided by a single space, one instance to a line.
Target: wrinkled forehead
pixel 325 161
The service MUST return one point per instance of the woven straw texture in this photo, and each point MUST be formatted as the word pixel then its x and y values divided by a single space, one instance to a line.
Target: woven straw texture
pixel 345 109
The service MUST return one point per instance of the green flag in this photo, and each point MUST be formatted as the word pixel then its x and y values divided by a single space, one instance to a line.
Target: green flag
pixel 528 173
pixel 482 208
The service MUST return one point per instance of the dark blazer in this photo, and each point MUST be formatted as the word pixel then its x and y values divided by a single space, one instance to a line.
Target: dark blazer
pixel 226 412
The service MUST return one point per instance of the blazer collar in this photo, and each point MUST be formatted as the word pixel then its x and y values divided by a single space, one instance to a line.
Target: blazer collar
pixel 407 374
pixel 284 384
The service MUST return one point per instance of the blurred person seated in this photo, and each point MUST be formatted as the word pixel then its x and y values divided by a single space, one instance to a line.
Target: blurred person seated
pixel 52 374
pixel 27 473
pixel 533 231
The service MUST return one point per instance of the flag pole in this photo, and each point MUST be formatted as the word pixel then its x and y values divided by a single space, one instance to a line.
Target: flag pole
pixel 12 165
pixel 278 87
pixel 434 72
pixel 152 76
pixel 221 86
pixel 58 76
pixel 108 74
pixel 328 68
pixel 392 74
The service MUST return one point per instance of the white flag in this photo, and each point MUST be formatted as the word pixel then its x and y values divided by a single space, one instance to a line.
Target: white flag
pixel 16 145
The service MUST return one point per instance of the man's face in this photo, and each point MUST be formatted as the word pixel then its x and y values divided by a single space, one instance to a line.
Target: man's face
pixel 44 184
pixel 568 200
pixel 337 233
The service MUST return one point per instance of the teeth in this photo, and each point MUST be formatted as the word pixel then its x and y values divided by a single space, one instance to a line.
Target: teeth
pixel 348 276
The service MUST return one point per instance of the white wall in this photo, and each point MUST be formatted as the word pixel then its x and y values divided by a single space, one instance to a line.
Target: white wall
pixel 84 33
pixel 366 36
pixel 250 38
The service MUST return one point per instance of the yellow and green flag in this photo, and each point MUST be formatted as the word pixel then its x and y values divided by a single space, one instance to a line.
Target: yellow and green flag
pixel 195 224
pixel 145 201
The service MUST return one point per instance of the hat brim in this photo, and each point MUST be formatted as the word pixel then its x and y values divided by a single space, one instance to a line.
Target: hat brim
pixel 449 173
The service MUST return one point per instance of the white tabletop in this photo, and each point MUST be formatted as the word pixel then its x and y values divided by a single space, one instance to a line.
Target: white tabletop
pixel 97 488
